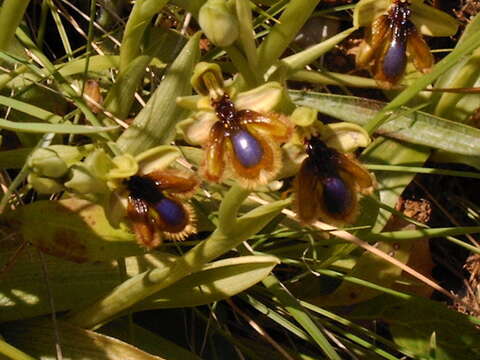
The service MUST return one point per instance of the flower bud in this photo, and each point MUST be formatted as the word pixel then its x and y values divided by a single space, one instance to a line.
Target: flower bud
pixel 53 161
pixel 84 182
pixel 46 162
pixel 44 185
pixel 219 23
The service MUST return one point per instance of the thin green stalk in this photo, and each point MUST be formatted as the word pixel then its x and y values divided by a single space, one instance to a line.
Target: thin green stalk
pixel 61 30
pixel 332 78
pixel 93 5
pixel 422 170
pixel 303 58
pixel 357 281
pixel 43 24
pixel 352 325
pixel 409 235
pixel 11 15
pixel 228 210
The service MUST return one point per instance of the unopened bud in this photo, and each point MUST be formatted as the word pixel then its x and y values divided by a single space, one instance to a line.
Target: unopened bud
pixel 47 162
pixel 44 185
pixel 219 23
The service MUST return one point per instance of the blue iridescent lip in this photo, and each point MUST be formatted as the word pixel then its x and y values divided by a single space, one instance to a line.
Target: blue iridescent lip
pixel 395 59
pixel 337 196
pixel 247 149
pixel 171 212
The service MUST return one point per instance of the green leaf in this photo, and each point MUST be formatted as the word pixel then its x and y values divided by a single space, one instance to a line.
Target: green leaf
pixel 41 128
pixel 13 353
pixel 147 340
pixel 281 34
pixel 72 229
pixel 371 268
pixel 464 74
pixel 216 281
pixel 155 124
pixel 38 337
pixel 29 109
pixel 416 127
pixel 390 185
pixel 413 321
pixel 23 293
pixel 148 283
pixel 11 15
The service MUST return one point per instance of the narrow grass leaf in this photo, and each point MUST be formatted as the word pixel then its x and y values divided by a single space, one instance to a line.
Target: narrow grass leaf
pixel 416 127
pixel 11 15
pixel 391 185
pixel 31 110
pixel 40 128
pixel 13 353
pixel 306 57
pixel 281 35
pixel 301 315
pixel 413 321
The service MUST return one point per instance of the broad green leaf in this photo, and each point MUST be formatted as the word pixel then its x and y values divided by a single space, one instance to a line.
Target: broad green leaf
pixel 150 282
pixel 31 110
pixel 216 281
pixel 23 292
pixel 416 127
pixel 164 45
pixel 38 338
pixel 413 321
pixel 72 229
pixel 155 124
